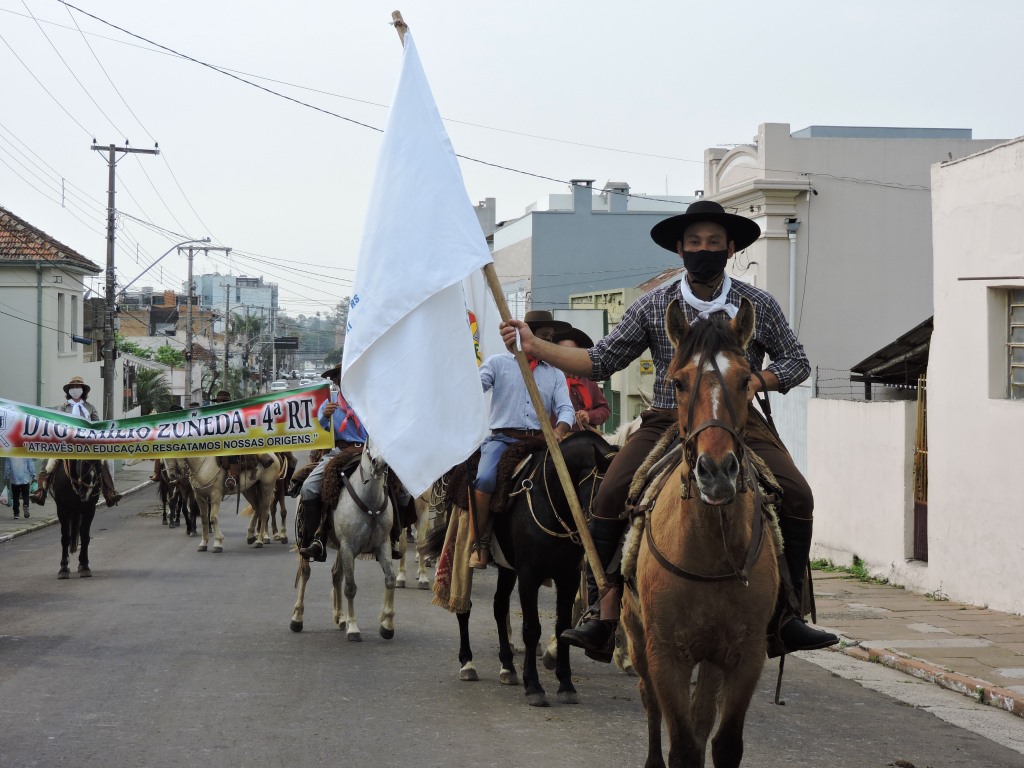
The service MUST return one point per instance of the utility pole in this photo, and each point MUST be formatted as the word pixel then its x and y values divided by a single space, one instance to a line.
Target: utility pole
pixel 227 336
pixel 109 353
pixel 188 322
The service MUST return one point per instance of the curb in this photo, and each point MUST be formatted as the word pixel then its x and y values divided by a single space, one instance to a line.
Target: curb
pixel 981 691
pixel 45 523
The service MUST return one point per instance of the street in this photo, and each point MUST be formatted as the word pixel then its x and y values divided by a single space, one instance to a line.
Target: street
pixel 171 657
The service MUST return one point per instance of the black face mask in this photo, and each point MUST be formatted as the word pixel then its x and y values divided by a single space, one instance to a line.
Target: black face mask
pixel 704 266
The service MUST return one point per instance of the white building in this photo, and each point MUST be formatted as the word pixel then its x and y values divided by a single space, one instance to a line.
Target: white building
pixel 862 454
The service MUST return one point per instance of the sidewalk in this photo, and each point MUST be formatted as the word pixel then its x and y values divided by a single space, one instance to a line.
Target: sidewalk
pixel 970 650
pixel 128 479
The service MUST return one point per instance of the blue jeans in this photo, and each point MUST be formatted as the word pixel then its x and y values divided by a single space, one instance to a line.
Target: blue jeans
pixel 491 451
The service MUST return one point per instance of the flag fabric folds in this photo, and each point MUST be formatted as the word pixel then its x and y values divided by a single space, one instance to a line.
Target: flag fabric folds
pixel 409 366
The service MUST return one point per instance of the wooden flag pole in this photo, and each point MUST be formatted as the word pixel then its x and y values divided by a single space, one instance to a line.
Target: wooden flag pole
pixel 545 422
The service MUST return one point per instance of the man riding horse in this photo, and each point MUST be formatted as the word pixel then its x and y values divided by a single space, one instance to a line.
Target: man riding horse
pixel 233 462
pixel 77 405
pixel 705 238
pixel 336 416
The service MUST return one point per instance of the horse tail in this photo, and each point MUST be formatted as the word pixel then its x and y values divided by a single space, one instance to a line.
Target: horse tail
pixel 434 542
pixel 247 512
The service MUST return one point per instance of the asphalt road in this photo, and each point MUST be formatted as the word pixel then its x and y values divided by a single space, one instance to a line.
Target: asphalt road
pixel 171 657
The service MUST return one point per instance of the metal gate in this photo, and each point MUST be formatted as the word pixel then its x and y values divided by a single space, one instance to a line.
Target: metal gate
pixel 921 473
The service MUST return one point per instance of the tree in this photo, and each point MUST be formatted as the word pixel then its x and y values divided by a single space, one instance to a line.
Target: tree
pixel 153 391
pixel 132 348
pixel 175 358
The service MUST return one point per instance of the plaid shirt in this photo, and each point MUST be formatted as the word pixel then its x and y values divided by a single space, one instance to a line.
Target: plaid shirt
pixel 643 327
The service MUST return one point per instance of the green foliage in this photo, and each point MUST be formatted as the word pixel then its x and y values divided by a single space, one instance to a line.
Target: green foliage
pixel 171 356
pixel 153 391
pixel 132 348
pixel 857 569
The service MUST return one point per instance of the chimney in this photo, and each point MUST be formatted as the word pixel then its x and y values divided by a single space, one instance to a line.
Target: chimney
pixel 582 195
pixel 618 196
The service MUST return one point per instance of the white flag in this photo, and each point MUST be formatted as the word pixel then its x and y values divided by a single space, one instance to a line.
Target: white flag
pixel 484 317
pixel 409 367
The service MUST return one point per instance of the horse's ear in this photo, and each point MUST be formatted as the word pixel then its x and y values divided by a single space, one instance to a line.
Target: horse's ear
pixel 743 323
pixel 675 323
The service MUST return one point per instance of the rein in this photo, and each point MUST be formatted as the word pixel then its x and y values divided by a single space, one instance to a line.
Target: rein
pixel 527 486
pixel 358 501
pixel 79 487
pixel 757 534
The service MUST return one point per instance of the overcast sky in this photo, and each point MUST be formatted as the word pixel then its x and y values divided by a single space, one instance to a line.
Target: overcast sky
pixel 603 90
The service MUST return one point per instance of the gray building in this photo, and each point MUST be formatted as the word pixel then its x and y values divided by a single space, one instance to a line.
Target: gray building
pixel 585 241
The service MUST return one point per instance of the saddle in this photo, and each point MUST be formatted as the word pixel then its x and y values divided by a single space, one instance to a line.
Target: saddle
pixel 246 462
pixel 511 465
pixel 659 466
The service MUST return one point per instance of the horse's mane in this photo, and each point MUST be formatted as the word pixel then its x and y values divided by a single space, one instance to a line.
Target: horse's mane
pixel 708 337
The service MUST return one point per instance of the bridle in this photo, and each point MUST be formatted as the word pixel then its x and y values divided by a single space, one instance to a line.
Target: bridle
pixel 83 489
pixel 363 507
pixel 746 475
pixel 568 531
pixel 690 435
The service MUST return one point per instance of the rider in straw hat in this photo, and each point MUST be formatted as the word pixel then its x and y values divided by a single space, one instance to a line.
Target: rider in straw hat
pixel 705 238
pixel 77 405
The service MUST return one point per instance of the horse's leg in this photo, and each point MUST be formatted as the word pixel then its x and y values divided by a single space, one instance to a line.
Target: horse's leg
pixel 704 703
pixel 218 536
pixel 387 611
pixel 672 689
pixel 83 534
pixel 340 620
pixel 502 595
pixel 403 547
pixel 299 610
pixel 468 671
pixel 252 534
pixel 65 545
pixel 566 587
pixel 348 565
pixel 529 587
pixel 634 627
pixel 204 521
pixel 727 746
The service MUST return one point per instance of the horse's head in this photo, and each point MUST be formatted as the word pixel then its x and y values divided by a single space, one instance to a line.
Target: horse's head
pixel 372 464
pixel 86 478
pixel 711 375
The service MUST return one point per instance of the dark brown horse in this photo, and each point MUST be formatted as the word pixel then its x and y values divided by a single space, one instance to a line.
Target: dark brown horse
pixel 75 488
pixel 706 574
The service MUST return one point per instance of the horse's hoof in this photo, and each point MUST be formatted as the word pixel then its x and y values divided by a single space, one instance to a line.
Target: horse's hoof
pixel 400 584
pixel 163 522
pixel 250 539
pixel 84 572
pixel 341 625
pixel 202 548
pixel 568 697
pixel 468 673
pixel 63 573
pixel 537 700
pixel 508 677
pixel 354 637
pixel 549 661
pixel 217 549
pixel 258 545
pixel 295 626
pixel 387 634
pixel 424 585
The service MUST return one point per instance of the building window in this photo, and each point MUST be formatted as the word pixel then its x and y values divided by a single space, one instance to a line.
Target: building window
pixel 61 322
pixel 1015 343
pixel 74 321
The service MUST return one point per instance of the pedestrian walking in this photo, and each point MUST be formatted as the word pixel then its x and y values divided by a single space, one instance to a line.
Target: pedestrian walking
pixel 19 474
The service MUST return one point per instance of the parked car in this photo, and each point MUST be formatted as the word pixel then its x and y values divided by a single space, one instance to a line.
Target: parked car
pixel 278 386
pixel 305 382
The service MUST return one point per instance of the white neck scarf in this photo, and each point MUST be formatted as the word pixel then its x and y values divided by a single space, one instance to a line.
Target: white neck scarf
pixel 78 409
pixel 705 308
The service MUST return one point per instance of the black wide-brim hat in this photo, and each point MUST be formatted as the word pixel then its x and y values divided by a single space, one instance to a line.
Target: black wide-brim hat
pixel 574 334
pixel 334 372
pixel 739 229
pixel 542 318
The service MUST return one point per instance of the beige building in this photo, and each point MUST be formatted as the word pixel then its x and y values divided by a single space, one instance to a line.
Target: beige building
pixel 862 454
pixel 42 294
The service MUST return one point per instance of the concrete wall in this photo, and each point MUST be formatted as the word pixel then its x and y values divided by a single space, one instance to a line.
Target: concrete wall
pixel 860 466
pixel 976 435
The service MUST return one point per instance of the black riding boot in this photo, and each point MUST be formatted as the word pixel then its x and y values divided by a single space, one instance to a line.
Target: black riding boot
pixel 788 625
pixel 593 633
pixel 312 518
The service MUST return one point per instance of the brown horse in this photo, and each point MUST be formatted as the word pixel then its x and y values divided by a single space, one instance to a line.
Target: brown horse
pixel 76 489
pixel 706 573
